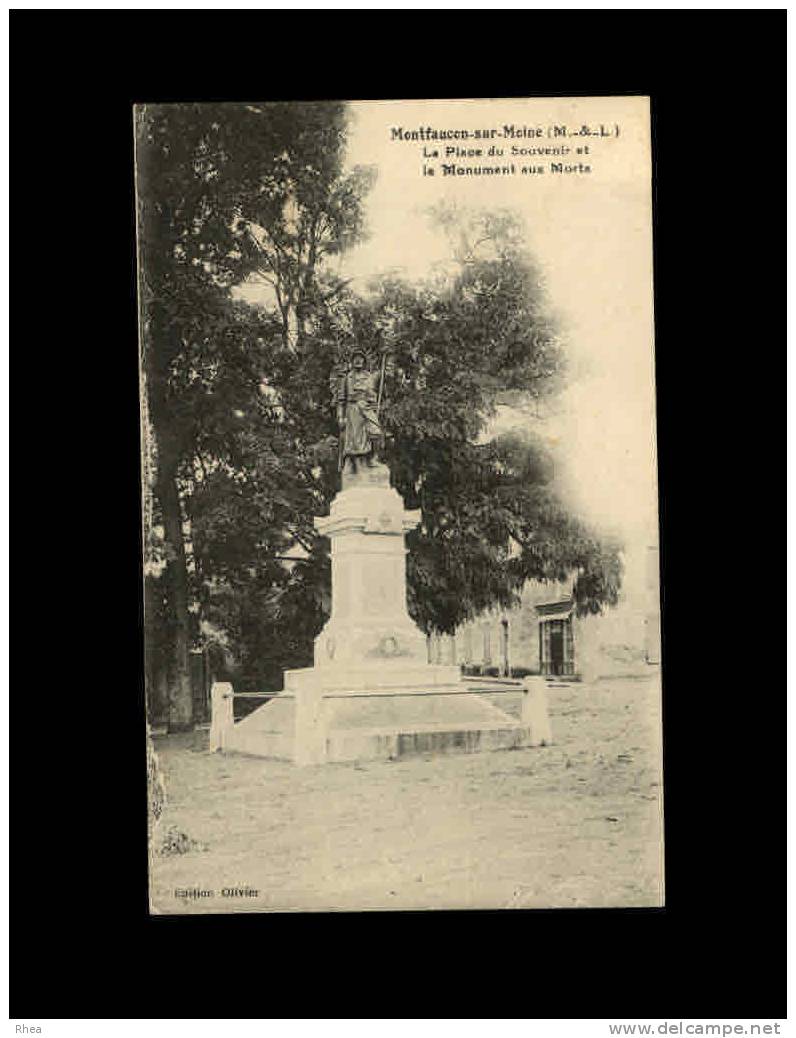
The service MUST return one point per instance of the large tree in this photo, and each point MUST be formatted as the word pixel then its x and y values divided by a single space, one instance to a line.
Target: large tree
pixel 224 192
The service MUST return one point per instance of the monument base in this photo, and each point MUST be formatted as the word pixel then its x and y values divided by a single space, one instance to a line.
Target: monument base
pixel 317 723
pixel 386 727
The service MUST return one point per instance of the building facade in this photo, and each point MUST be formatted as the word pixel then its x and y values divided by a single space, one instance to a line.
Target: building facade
pixel 543 634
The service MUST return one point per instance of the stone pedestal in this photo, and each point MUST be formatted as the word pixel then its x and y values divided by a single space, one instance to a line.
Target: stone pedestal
pixel 371 693
pixel 369 625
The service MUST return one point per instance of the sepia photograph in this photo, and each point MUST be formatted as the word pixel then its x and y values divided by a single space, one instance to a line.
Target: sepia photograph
pixel 401 590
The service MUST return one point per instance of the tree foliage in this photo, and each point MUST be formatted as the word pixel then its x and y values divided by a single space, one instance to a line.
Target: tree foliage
pixel 459 344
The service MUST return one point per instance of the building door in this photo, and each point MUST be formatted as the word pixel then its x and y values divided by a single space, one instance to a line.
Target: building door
pixel 556 647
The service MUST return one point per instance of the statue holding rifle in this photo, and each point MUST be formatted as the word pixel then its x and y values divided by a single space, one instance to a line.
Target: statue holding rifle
pixel 357 394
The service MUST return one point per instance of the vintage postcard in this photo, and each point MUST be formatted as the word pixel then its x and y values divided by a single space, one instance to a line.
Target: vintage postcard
pixel 401 578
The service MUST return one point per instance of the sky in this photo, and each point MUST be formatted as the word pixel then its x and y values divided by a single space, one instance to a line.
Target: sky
pixel 590 234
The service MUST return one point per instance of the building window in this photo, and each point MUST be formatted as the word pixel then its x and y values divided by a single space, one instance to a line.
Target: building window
pixel 468 645
pixel 487 645
pixel 506 662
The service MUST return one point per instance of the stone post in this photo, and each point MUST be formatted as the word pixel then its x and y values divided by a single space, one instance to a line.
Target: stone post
pixel 534 711
pixel 222 715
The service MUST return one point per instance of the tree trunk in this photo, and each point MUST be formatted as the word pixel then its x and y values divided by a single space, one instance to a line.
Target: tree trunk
pixel 180 691
pixel 156 662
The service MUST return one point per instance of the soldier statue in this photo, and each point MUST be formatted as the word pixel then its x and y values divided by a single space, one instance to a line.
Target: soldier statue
pixel 356 392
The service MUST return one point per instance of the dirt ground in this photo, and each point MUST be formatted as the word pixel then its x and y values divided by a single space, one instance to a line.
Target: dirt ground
pixel 576 824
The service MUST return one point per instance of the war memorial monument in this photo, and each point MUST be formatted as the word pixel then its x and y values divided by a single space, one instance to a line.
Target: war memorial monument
pixel 371 694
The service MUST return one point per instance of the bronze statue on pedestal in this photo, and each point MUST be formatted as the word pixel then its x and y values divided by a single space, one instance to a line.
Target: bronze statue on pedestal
pixel 357 392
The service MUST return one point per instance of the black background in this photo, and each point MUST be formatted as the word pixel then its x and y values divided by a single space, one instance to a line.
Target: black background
pixel 82 944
